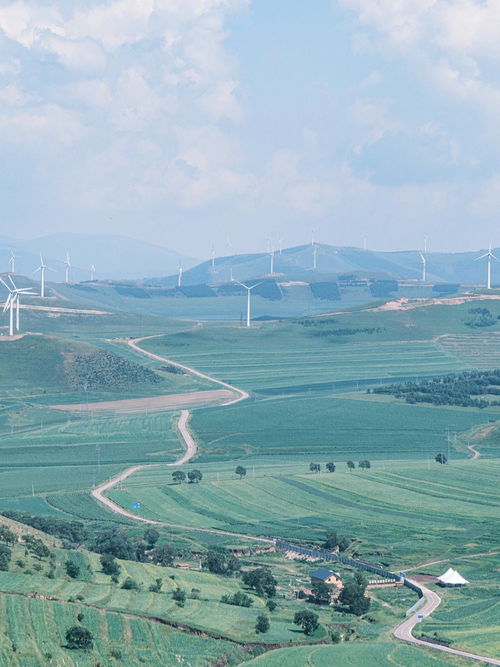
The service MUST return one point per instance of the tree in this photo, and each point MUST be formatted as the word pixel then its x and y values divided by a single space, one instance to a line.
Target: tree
pixel 262 581
pixel 164 554
pixel 331 541
pixel 219 561
pixel 179 595
pixel 344 543
pixel 156 587
pixel 195 476
pixel 241 471
pixel 130 584
pixel 321 593
pixel 179 476
pixel 7 536
pixel 239 599
pixel 36 546
pixel 353 595
pixel 5 556
pixel 330 467
pixel 78 637
pixel 314 467
pixel 262 624
pixel 109 565
pixel 350 465
pixel 440 458
pixel 72 569
pixel 308 620
pixel 151 535
pixel 364 465
pixel 117 543
pixel 271 605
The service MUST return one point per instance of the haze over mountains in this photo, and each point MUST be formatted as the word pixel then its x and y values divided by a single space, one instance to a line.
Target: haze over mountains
pixel 115 257
pixel 123 258
pixel 298 263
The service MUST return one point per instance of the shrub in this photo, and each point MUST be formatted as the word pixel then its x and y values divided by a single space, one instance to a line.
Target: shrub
pixel 78 637
pixel 262 624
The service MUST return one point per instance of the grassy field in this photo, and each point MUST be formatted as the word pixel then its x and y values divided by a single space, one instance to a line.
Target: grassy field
pixel 469 617
pixel 402 513
pixel 335 428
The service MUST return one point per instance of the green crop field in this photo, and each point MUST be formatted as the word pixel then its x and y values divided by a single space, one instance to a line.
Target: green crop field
pixel 402 514
pixel 371 654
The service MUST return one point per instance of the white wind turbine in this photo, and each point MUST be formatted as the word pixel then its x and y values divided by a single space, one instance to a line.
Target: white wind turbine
pixel 424 264
pixel 12 262
pixel 315 257
pixel 365 239
pixel 271 255
pixel 490 256
pixel 280 246
pixel 248 289
pixel 92 272
pixel 42 268
pixel 67 265
pixel 213 260
pixel 180 271
pixel 12 302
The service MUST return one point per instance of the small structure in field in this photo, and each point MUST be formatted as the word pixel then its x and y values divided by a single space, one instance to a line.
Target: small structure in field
pixel 326 577
pixel 452 578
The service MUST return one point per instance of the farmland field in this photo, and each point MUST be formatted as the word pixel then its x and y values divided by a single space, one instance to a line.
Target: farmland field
pixel 439 510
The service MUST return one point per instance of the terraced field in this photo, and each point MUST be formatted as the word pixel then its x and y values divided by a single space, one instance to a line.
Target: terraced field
pixel 481 351
pixel 439 511
pixel 370 654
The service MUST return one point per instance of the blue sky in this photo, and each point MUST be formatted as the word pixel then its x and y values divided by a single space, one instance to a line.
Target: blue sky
pixel 198 122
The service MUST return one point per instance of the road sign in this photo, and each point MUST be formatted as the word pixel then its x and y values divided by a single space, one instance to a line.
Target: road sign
pixel 135 506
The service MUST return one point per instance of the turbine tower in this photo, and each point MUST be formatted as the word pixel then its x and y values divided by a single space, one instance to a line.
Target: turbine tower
pixel 249 290
pixel 92 272
pixel 180 271
pixel 424 262
pixel 315 257
pixel 12 302
pixel 67 265
pixel 213 260
pixel 271 255
pixel 42 268
pixel 280 245
pixel 12 263
pixel 365 239
pixel 426 238
pixel 490 256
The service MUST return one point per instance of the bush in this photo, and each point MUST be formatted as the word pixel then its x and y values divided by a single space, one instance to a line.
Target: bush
pixel 72 569
pixel 179 595
pixel 262 624
pixel 109 565
pixel 156 587
pixel 78 637
pixel 308 620
pixel 271 605
pixel 130 584
pixel 239 599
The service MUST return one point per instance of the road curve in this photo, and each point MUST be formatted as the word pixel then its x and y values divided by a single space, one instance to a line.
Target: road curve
pixel 134 344
pixel 405 629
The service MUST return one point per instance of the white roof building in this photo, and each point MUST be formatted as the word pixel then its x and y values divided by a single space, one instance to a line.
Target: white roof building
pixel 452 578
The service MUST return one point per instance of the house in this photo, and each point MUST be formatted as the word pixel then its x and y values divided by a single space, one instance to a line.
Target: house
pixel 326 577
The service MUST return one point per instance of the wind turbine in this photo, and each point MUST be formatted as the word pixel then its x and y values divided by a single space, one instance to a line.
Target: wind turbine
pixel 67 265
pixel 213 260
pixel 280 245
pixel 312 237
pixel 365 238
pixel 271 254
pixel 180 271
pixel 490 256
pixel 248 289
pixel 315 257
pixel 12 302
pixel 426 238
pixel 12 262
pixel 42 268
pixel 92 272
pixel 229 246
pixel 424 262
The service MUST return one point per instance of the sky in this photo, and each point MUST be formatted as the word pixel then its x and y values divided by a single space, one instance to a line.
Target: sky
pixel 224 123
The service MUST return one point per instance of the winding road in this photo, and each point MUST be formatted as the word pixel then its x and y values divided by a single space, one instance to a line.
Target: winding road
pixel 403 631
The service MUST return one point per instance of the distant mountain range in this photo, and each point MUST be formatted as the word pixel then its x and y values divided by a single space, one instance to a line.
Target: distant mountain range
pixel 115 257
pixel 333 261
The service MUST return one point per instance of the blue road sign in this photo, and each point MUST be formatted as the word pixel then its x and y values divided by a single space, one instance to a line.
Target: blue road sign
pixel 135 506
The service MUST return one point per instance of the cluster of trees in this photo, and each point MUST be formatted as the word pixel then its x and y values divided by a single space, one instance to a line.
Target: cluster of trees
pixel 364 465
pixel 334 540
pixel 316 467
pixel 116 542
pixel 308 621
pixel 454 389
pixel 261 581
pixel 105 370
pixel 331 467
pixel 441 458
pixel 193 476
pixel 481 317
pixel 239 599
pixel 220 561
pixel 353 595
pixel 70 531
pixel 347 331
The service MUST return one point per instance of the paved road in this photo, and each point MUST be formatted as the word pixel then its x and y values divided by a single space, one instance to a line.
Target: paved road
pixel 405 629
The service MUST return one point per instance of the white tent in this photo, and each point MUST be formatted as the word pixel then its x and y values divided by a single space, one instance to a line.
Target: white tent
pixel 452 578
